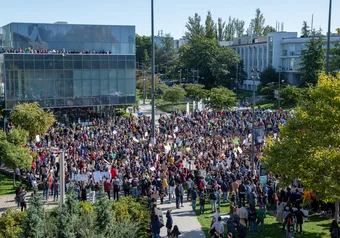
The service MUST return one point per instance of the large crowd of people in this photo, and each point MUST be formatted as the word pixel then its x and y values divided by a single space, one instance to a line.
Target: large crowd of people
pixel 205 156
pixel 30 50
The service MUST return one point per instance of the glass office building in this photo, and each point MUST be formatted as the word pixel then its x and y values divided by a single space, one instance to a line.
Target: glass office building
pixel 58 80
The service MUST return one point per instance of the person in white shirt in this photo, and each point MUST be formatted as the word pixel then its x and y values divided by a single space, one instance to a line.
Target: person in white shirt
pixel 219 228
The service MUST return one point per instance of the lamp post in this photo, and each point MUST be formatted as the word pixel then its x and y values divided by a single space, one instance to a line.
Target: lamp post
pixel 62 179
pixel 152 77
pixel 255 76
pixel 279 87
pixel 328 36
pixel 144 90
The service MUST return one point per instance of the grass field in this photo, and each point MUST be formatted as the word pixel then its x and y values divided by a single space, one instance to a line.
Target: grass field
pixel 316 227
pixel 168 107
pixel 6 185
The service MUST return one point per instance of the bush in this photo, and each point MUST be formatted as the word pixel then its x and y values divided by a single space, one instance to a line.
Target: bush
pixel 10 223
pixel 128 209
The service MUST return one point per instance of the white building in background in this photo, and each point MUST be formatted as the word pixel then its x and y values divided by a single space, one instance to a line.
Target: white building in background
pixel 277 49
pixel 180 42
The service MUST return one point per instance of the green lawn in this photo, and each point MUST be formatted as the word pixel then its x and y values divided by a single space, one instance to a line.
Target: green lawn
pixel 6 185
pixel 168 107
pixel 317 227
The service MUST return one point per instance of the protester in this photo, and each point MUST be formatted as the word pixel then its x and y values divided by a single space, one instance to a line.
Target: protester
pixel 334 229
pixel 175 232
pixel 169 222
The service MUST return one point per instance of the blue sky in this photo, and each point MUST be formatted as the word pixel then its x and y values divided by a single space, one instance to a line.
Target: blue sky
pixel 170 15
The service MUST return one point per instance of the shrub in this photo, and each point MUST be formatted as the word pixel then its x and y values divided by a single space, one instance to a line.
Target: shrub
pixel 10 223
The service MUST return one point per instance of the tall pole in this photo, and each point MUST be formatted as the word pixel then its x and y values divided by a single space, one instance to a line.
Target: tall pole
pixel 187 75
pixel 328 36
pixel 254 77
pixel 62 178
pixel 279 87
pixel 152 76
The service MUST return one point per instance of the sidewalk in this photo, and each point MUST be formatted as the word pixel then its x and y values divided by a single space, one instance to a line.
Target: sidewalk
pixel 184 218
pixel 146 110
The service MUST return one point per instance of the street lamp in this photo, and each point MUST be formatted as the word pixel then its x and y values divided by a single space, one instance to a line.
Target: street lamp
pixel 280 68
pixel 255 76
pixel 328 36
pixel 144 90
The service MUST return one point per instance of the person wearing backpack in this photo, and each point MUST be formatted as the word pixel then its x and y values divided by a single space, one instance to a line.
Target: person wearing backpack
pixel 334 229
pixel 290 226
pixel 213 200
pixel 252 219
pixel 193 198
pixel 202 202
pixel 126 187
pixel 134 187
pixel 171 188
pixel 242 193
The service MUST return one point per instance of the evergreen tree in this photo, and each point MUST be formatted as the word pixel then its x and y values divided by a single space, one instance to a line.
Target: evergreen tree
pixel 33 224
pixel 312 60
pixel 68 215
pixel 103 214
pixel 210 27
pixel 305 31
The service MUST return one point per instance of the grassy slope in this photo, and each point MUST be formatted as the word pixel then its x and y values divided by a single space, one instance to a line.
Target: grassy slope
pixel 6 186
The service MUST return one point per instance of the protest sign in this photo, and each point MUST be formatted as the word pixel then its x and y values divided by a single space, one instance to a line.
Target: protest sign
pixel 263 180
pixel 81 177
pixel 203 173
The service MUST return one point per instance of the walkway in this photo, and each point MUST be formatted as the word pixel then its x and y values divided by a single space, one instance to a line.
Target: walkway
pixel 146 110
pixel 184 218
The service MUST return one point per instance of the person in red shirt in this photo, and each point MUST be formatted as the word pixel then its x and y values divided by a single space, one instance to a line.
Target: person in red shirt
pixel 107 187
pixel 114 172
pixel 34 167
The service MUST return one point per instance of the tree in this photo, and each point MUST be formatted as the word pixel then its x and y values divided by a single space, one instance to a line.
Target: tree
pixel 195 91
pixel 293 96
pixel 220 28
pixel 210 27
pixel 312 61
pixel 268 29
pixel 213 61
pixel 104 216
pixel 230 30
pixel 338 31
pixel 239 27
pixel 174 94
pixel 305 31
pixel 143 50
pixel 308 148
pixel 10 223
pixel 194 27
pixel 334 65
pixel 269 75
pixel 166 55
pixel 14 155
pixel 221 98
pixel 32 118
pixel 33 224
pixel 258 22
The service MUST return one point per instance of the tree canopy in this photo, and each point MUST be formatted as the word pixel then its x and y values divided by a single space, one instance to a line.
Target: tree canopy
pixel 269 75
pixel 220 98
pixel 309 143
pixel 257 23
pixel 305 31
pixel 174 94
pixel 32 118
pixel 312 60
pixel 195 91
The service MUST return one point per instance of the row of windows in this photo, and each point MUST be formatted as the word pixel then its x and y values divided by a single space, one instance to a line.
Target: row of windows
pixel 50 65
pixel 58 89
pixel 69 74
pixel 76 102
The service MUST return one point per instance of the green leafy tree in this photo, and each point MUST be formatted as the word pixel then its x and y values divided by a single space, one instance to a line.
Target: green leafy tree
pixel 305 31
pixel 14 155
pixel 269 75
pixel 194 27
pixel 268 29
pixel 33 224
pixel 312 61
pixel 213 61
pixel 239 27
pixel 143 50
pixel 309 144
pixel 230 30
pixel 32 118
pixel 268 90
pixel 195 91
pixel 174 94
pixel 292 95
pixel 257 24
pixel 104 216
pixel 210 27
pixel 220 29
pixel 334 65
pixel 338 31
pixel 221 98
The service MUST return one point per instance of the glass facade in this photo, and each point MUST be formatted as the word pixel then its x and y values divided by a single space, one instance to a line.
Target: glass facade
pixel 69 80
pixel 117 39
